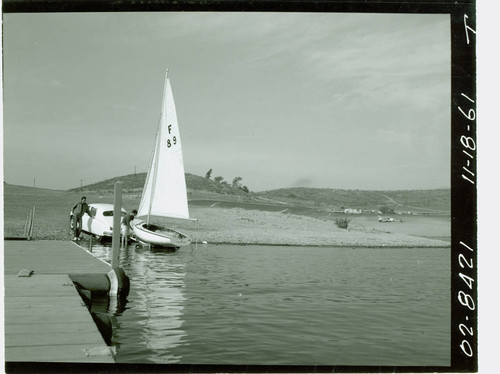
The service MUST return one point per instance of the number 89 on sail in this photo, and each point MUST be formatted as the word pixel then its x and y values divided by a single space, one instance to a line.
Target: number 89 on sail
pixel 171 142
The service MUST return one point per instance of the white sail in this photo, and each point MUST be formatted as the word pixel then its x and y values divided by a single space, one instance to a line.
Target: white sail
pixel 164 192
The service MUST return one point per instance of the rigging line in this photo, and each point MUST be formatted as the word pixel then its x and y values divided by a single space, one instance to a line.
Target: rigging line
pixel 154 168
pixel 197 226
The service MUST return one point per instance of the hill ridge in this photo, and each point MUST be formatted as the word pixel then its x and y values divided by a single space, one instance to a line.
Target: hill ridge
pixel 202 188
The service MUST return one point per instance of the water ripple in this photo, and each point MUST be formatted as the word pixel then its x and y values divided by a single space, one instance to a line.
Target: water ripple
pixel 286 306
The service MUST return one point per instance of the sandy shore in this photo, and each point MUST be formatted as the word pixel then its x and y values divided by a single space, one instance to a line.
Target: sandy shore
pixel 217 225
pixel 241 226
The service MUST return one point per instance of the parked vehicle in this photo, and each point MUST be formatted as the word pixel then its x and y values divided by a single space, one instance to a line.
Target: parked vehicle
pixel 100 222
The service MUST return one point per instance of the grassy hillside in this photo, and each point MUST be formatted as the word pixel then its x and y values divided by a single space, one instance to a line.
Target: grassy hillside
pixel 326 198
pixel 131 182
pixel 200 188
pixel 438 199
pixel 52 209
pixel 19 200
pixel 135 183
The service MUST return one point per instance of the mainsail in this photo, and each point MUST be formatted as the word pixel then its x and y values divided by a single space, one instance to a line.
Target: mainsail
pixel 164 192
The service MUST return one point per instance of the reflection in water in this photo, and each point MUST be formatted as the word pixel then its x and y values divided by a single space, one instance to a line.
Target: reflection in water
pixel 155 303
pixel 160 294
pixel 266 305
pixel 104 309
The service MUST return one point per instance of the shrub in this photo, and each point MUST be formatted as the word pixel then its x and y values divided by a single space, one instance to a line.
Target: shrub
pixel 386 210
pixel 236 181
pixel 342 223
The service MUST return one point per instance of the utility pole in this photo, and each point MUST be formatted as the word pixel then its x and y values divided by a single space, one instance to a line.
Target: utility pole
pixel 117 206
pixel 81 185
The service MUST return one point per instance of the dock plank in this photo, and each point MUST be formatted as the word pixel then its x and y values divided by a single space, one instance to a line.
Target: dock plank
pixel 60 353
pixel 50 257
pixel 35 317
pixel 36 285
pixel 50 338
pixel 51 301
pixel 27 328
pixel 45 318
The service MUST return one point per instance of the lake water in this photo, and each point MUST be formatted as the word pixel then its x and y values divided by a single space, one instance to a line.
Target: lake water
pixel 271 305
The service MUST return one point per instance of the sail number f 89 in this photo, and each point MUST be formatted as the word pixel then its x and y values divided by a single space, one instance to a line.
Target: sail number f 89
pixel 173 141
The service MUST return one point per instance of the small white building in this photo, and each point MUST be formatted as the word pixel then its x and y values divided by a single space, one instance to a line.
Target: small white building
pixel 352 211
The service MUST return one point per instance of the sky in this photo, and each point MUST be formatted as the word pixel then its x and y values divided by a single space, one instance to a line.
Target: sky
pixel 327 100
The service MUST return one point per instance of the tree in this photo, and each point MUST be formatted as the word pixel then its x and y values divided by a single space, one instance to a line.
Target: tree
pixel 342 223
pixel 218 179
pixel 236 181
pixel 245 188
pixel 386 210
pixel 208 174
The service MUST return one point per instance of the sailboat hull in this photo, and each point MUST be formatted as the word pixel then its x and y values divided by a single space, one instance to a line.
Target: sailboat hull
pixel 158 235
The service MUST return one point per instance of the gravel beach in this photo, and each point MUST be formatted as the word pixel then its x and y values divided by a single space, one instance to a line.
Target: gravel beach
pixel 218 225
pixel 241 226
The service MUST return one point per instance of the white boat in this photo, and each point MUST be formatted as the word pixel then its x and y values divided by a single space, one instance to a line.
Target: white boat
pixel 164 193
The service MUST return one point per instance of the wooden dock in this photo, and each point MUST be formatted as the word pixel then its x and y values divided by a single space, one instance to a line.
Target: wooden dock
pixel 45 318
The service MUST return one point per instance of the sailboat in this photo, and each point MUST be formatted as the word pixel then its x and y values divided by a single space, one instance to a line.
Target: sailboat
pixel 164 193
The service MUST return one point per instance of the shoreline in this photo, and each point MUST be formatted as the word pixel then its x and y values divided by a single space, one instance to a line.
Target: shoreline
pixel 246 227
pixel 237 226
pixel 323 245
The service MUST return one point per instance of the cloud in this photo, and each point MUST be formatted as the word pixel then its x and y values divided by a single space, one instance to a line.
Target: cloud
pixel 55 84
pixel 260 95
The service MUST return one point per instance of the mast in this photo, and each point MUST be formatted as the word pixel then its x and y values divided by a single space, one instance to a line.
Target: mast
pixel 154 170
pixel 157 147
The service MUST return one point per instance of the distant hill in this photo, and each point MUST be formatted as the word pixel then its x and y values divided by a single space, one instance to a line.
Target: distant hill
pixel 27 192
pixel 201 188
pixel 135 183
pixel 437 200
pixel 131 182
